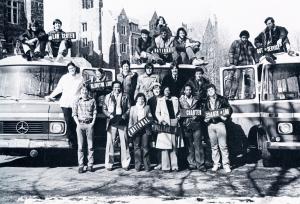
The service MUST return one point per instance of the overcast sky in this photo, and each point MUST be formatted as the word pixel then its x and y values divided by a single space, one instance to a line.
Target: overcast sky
pixel 233 15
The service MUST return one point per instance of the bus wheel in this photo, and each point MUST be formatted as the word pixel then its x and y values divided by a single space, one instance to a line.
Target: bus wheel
pixel 265 153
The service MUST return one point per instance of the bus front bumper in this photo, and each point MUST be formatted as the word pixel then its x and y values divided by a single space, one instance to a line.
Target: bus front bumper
pixel 30 144
pixel 284 145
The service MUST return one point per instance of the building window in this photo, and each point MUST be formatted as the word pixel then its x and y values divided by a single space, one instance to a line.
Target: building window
pixel 123 30
pixel 12 11
pixel 123 48
pixel 84 42
pixel 86 4
pixel 84 27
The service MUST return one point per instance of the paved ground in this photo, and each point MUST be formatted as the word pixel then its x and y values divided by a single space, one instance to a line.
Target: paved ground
pixel 27 180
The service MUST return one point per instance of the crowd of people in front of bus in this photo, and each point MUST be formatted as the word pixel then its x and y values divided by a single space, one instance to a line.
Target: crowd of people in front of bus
pixel 134 97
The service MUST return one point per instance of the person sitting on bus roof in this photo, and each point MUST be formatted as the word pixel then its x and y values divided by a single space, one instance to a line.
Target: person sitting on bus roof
pixel 144 47
pixel 57 46
pixel 186 49
pixel 161 22
pixel 146 81
pixel 273 35
pixel 34 41
pixel 164 40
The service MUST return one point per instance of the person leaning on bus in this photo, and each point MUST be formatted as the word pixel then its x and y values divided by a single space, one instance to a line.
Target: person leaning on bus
pixel 69 87
pixel 216 128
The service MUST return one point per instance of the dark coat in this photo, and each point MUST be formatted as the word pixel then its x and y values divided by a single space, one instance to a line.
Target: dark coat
pixel 199 91
pixel 235 53
pixel 221 102
pixel 175 86
pixel 29 34
pixel 278 33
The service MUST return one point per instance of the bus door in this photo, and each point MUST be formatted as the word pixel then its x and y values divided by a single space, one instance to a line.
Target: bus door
pixel 241 86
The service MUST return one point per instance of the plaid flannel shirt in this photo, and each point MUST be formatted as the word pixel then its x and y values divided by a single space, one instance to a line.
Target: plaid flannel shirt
pixel 84 109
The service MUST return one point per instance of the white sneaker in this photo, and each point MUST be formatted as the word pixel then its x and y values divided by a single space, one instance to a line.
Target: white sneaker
pixel 227 169
pixel 215 168
pixel 198 62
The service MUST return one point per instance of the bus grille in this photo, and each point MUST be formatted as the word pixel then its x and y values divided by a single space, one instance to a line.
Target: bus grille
pixel 28 127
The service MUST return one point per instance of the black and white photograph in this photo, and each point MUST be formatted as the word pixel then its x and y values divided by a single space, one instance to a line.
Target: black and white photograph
pixel 138 101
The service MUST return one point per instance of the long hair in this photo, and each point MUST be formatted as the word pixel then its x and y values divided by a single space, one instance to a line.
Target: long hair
pixel 157 20
pixel 72 64
pixel 138 96
pixel 181 29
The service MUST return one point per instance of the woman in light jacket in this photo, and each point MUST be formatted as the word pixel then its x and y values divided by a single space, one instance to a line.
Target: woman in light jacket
pixel 141 139
pixel 167 113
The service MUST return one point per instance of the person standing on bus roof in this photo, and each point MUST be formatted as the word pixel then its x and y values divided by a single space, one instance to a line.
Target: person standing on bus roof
pixel 57 46
pixel 116 108
pixel 217 129
pixel 273 35
pixel 34 41
pixel 241 53
pixel 84 112
pixel 69 87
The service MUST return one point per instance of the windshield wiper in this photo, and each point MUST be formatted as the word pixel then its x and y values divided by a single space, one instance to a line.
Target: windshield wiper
pixel 33 94
pixel 9 97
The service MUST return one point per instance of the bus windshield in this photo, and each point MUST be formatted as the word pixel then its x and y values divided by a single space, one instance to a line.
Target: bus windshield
pixel 281 82
pixel 29 82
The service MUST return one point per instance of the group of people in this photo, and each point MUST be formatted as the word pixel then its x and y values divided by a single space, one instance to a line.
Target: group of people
pixel 162 47
pixel 242 52
pixel 35 43
pixel 134 98
pixel 148 108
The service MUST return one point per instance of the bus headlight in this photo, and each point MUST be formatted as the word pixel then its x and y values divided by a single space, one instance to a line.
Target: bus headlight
pixel 285 128
pixel 56 127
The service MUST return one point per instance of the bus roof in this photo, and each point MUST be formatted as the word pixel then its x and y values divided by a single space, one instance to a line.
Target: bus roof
pixel 284 57
pixel 19 60
pixel 165 66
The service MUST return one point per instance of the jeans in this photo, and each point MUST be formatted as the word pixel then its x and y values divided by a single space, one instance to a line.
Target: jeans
pixel 109 153
pixel 142 150
pixel 39 46
pixel 62 50
pixel 85 130
pixel 217 136
pixel 196 151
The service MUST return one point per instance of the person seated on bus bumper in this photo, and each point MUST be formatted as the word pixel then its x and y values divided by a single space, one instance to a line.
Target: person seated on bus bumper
pixel 163 41
pixel 34 41
pixel 186 49
pixel 144 47
pixel 216 128
pixel 57 47
pixel 84 112
pixel 273 35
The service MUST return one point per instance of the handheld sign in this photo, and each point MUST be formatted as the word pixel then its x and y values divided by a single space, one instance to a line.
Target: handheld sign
pixel 164 50
pixel 189 113
pixel 164 128
pixel 100 84
pixel 63 36
pixel 139 126
pixel 268 49
pixel 217 113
